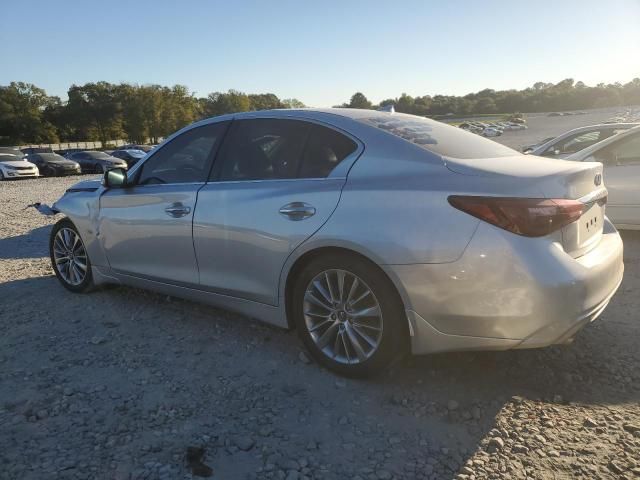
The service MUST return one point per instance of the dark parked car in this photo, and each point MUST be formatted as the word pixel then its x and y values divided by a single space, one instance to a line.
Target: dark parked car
pixel 52 164
pixel 96 162
pixel 131 156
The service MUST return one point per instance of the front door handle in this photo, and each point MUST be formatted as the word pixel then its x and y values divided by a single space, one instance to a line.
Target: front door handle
pixel 297 211
pixel 177 210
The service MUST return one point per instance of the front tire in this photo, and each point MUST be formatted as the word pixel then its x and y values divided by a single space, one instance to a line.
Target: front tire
pixel 69 257
pixel 348 315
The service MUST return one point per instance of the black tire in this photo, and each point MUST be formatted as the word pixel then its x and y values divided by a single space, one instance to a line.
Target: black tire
pixel 394 335
pixel 87 283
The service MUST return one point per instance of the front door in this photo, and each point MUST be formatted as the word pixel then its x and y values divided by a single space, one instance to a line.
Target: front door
pixel 146 228
pixel 622 178
pixel 271 190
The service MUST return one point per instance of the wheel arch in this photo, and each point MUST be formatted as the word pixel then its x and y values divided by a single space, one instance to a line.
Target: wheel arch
pixel 297 265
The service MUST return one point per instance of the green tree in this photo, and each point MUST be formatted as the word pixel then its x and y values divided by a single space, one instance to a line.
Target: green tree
pixel 219 103
pixel 292 103
pixel 358 100
pixel 21 115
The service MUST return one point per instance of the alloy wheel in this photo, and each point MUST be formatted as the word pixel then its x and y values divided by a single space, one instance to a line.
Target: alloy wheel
pixel 343 316
pixel 70 256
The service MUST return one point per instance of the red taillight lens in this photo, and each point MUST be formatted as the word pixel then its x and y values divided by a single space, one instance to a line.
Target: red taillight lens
pixel 531 217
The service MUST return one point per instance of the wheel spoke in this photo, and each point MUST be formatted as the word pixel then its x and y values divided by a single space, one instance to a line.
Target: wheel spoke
pixel 355 343
pixel 373 311
pixel 340 275
pixel 361 297
pixel 344 345
pixel 369 340
pixel 329 286
pixel 327 336
pixel 352 290
pixel 311 298
pixel 318 285
pixel 320 324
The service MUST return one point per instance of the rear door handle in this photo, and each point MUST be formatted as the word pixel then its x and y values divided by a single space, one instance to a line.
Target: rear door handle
pixel 297 211
pixel 177 210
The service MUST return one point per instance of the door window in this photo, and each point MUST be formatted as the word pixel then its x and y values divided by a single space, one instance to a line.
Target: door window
pixel 186 159
pixel 324 150
pixel 263 149
pixel 576 143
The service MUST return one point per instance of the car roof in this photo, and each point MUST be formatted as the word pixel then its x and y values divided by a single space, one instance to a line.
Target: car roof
pixel 587 152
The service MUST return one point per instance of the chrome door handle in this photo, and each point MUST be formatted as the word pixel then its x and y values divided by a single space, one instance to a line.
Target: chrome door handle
pixel 177 210
pixel 297 211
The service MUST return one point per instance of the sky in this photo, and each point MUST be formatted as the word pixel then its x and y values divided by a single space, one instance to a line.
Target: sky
pixel 321 51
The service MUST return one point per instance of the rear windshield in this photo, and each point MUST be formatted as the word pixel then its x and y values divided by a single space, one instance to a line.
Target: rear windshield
pixel 438 137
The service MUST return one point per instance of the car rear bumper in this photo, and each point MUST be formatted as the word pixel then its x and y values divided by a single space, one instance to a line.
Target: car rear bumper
pixel 508 291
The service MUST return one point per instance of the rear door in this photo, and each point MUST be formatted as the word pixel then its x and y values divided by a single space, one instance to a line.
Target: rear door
pixel 622 179
pixel 146 229
pixel 271 189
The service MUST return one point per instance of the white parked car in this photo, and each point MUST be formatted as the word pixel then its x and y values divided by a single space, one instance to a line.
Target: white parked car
pixel 491 132
pixel 14 165
pixel 620 155
pixel 578 139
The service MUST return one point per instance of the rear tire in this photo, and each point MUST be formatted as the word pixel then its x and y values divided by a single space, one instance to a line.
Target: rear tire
pixel 69 257
pixel 348 315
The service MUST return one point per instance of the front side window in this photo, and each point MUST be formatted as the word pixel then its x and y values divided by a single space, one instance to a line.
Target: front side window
pixel 185 159
pixel 324 150
pixel 263 149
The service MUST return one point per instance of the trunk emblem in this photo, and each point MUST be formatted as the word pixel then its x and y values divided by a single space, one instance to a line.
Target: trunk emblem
pixel 598 179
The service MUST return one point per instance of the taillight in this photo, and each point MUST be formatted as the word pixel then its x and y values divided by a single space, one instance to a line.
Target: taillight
pixel 530 217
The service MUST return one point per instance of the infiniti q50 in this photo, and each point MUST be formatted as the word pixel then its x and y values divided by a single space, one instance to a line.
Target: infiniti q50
pixel 370 233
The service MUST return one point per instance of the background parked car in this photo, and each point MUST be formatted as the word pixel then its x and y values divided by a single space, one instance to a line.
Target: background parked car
pixel 52 164
pixel 134 146
pixel 578 139
pixel 14 165
pixel 620 155
pixel 96 162
pixel 131 156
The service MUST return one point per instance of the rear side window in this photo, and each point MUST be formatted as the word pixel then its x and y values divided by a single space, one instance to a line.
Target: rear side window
pixel 625 152
pixel 324 150
pixel 437 137
pixel 263 149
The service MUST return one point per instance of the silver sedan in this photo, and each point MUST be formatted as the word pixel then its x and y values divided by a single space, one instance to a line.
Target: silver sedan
pixel 370 233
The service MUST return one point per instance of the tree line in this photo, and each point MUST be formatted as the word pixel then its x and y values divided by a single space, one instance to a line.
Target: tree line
pixel 104 111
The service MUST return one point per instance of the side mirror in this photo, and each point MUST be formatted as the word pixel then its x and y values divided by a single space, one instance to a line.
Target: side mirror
pixel 116 178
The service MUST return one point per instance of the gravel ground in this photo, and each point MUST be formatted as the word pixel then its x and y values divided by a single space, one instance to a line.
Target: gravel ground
pixel 126 384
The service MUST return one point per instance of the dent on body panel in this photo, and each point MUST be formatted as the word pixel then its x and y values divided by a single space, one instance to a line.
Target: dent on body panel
pixel 83 208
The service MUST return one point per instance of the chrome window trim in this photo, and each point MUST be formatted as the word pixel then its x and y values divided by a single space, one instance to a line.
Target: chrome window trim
pixel 315 179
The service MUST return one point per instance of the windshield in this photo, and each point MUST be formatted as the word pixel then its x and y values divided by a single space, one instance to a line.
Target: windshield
pixel 100 155
pixel 11 151
pixel 438 137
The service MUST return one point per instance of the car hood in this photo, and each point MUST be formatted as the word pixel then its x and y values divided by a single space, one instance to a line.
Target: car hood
pixel 18 163
pixel 85 186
